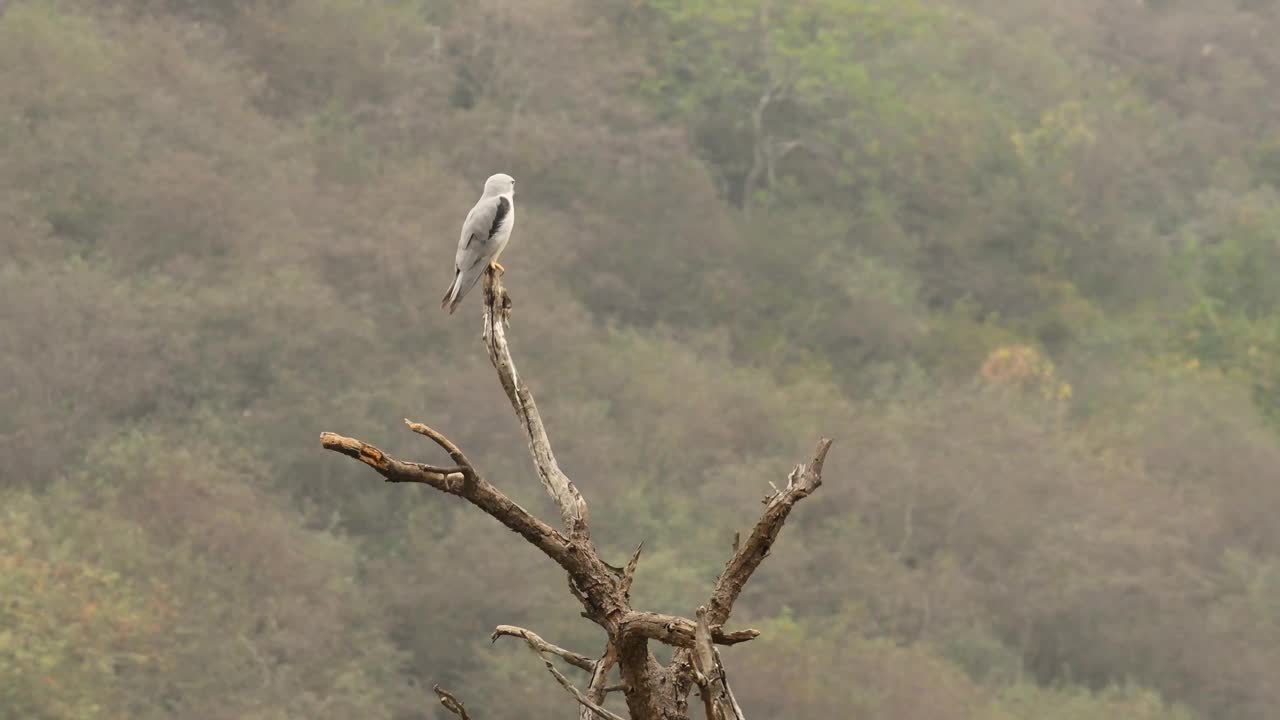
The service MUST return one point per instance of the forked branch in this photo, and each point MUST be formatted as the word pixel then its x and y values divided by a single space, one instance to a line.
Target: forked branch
pixel 451 703
pixel 445 443
pixel 539 648
pixel 470 486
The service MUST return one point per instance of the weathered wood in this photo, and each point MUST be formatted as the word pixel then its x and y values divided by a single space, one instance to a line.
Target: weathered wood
pixel 629 572
pixel 451 703
pixel 469 485
pixel 802 481
pixel 678 631
pixel 540 647
pixel 575 659
pixel 573 509
pixel 747 556
pixel 705 668
pixel 597 687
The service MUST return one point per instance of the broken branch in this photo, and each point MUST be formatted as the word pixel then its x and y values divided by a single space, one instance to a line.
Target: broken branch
pixel 577 660
pixel 597 690
pixel 802 481
pixel 629 573
pixel 677 631
pixel 728 691
pixel 707 672
pixel 476 490
pixel 391 469
pixel 577 694
pixel 451 703
pixel 537 645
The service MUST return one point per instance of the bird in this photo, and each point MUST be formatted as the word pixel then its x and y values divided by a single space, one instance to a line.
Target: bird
pixel 485 233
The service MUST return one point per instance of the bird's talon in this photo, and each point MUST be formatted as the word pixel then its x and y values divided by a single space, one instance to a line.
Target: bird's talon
pixel 498 268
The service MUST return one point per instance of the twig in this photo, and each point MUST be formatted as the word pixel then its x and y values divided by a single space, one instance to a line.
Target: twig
pixel 577 694
pixel 451 703
pixel 391 469
pixel 537 647
pixel 629 574
pixel 438 438
pixel 575 659
pixel 728 691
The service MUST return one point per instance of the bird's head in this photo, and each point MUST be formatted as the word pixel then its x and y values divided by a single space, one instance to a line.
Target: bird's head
pixel 500 184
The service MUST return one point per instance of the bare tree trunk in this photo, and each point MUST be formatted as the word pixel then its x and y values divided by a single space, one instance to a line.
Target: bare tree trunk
pixel 652 691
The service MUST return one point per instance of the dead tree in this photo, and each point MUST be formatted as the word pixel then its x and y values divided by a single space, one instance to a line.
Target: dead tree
pixel 652 691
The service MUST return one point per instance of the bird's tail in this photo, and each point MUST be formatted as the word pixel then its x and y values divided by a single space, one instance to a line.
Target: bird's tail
pixel 450 300
pixel 462 284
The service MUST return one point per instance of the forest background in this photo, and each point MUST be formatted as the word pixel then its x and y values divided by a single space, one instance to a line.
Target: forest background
pixel 1018 258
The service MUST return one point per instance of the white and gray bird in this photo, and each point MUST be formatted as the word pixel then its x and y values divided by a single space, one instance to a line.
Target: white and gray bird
pixel 485 233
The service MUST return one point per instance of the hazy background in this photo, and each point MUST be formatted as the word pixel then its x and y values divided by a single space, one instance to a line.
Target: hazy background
pixel 1019 260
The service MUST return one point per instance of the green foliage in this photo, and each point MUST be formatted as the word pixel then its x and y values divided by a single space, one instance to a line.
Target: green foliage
pixel 1233 321
pixel 1025 702
pixel 72 627
pixel 815 660
pixel 347 54
pixel 161 583
pixel 810 65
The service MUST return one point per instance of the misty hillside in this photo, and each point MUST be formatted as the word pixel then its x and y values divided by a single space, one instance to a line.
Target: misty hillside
pixel 1020 262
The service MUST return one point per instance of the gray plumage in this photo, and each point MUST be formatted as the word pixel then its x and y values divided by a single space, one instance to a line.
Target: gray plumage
pixel 485 233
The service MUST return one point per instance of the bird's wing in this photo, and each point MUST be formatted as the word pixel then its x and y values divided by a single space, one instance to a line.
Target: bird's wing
pixel 477 244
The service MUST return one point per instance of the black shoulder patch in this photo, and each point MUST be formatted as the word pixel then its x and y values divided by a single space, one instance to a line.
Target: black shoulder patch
pixel 504 209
